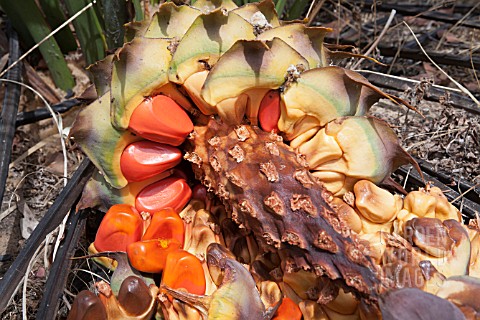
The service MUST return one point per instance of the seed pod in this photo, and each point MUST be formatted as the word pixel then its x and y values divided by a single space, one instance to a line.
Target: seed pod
pixel 87 306
pixel 288 310
pixel 447 240
pixel 137 301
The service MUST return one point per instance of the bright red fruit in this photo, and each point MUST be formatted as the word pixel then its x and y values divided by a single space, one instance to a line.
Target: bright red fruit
pixel 171 192
pixel 150 255
pixel 165 224
pixel 184 270
pixel 162 120
pixel 144 159
pixel 269 111
pixel 121 226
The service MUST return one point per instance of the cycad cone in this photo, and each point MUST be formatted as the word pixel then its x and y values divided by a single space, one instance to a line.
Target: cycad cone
pixel 214 58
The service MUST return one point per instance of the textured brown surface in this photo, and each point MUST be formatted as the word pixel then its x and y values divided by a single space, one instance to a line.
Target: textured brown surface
pixel 270 192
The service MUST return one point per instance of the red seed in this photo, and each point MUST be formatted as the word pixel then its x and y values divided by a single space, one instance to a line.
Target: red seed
pixel 166 224
pixel 144 159
pixel 184 270
pixel 150 255
pixel 170 192
pixel 162 120
pixel 121 226
pixel 269 111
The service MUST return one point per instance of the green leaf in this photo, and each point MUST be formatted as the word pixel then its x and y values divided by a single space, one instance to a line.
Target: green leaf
pixel 88 30
pixel 280 6
pixel 138 10
pixel 115 16
pixel 27 14
pixel 55 17
pixel 297 9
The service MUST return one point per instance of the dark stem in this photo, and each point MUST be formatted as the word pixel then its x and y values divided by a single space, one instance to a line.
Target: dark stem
pixel 9 110
pixel 58 273
pixel 24 118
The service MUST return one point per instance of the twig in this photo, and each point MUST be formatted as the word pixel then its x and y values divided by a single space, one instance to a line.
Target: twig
pixel 91 273
pixel 395 57
pixel 64 298
pixel 406 177
pixel 377 41
pixel 467 191
pixel 25 282
pixel 339 11
pixel 347 23
pixel 462 88
pixel 409 80
pixel 52 96
pixel 471 59
pixel 429 133
pixel 434 136
pixel 310 10
pixel 442 39
pixel 314 12
pixel 61 227
pixel 71 294
pixel 5 213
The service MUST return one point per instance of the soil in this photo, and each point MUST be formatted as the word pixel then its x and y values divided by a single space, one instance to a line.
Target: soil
pixel 445 136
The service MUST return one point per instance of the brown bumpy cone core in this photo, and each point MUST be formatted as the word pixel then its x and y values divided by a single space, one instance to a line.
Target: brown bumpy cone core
pixel 268 190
